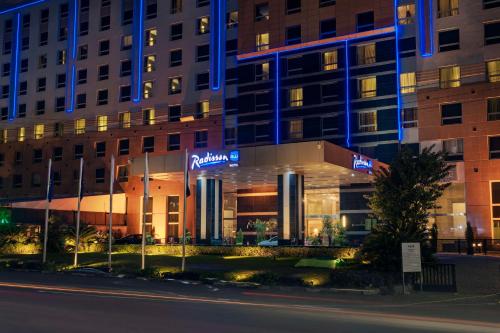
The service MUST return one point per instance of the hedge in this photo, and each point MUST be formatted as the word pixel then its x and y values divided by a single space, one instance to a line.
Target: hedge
pixel 243 251
pixel 31 248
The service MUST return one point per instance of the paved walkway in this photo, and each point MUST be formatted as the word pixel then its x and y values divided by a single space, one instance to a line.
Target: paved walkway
pixel 478 274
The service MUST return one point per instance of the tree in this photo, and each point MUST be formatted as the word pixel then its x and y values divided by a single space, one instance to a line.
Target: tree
pixel 328 229
pixel 434 237
pixel 404 195
pixel 239 237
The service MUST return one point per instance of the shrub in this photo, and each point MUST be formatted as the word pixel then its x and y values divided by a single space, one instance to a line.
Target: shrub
pixel 362 278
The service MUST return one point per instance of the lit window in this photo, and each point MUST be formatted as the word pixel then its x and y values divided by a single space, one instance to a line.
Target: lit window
pixel 148 89
pixel 203 25
pixel 150 38
pixel 296 97
pixel 175 85
pixel 102 123
pixel 493 69
pixel 367 121
pixel 232 19
pixel 449 77
pixel 447 8
pixel 368 87
pixel 366 54
pixel 330 60
pixel 5 136
pixel 295 129
pixel 124 119
pixel 39 130
pixel 454 149
pixel 408 82
pixel 127 42
pixel 262 41
pixel 406 14
pixel 148 117
pixel 80 126
pixel 21 134
pixel 149 63
pixel 262 71
pixel 203 109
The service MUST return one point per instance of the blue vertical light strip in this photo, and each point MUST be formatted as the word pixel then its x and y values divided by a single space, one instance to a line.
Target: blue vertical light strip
pixel 277 94
pixel 422 27
pixel 71 68
pixel 217 43
pixel 17 8
pixel 347 97
pixel 398 70
pixel 138 50
pixel 14 70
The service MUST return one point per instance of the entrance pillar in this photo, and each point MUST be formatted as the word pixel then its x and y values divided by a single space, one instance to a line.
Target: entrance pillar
pixel 290 209
pixel 208 211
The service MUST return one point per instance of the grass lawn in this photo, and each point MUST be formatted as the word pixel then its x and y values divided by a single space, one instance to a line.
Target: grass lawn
pixel 259 269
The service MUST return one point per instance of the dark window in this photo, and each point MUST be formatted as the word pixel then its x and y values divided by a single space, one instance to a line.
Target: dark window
pixel 100 149
pixel 328 28
pixel 83 52
pixel 487 4
pixel 200 139
pixel 103 47
pixel 125 92
pixel 326 3
pixel 60 80
pixel 18 157
pixel 494 108
pixel 103 73
pixel 24 65
pixel 175 6
pixel 294 65
pixel 127 11
pixel 494 147
pixel 261 12
pixel 123 146
pixel 365 22
pixel 125 68
pixel 231 47
pixel 123 173
pixel 41 84
pixel 23 88
pixel 17 181
pixel 148 144
pixel 82 76
pixel 60 104
pixel 175 58
pixel 21 113
pixel 202 3
pixel 99 175
pixel 449 40
pixel 176 31
pixel 57 153
pixel 78 151
pixel 40 107
pixel 174 142
pixel 202 81
pixel 451 114
pixel 102 97
pixel 151 9
pixel 492 33
pixel 81 101
pixel 202 53
pixel 37 155
pixel 292 6
pixel 174 113
pixel 293 35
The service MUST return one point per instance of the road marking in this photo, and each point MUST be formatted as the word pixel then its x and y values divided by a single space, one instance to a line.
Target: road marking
pixel 456 325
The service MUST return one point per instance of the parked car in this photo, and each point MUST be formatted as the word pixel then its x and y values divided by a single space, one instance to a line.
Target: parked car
pixel 273 241
pixel 133 239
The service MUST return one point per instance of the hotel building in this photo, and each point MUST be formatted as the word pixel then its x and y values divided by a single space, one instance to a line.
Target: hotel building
pixel 286 109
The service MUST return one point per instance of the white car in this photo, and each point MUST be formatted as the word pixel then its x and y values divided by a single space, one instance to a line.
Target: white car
pixel 273 241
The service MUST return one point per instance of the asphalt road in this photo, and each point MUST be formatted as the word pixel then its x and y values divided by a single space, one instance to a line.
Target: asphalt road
pixel 34 302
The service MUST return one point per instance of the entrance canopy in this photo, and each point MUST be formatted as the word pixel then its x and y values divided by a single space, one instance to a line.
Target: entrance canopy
pixel 323 164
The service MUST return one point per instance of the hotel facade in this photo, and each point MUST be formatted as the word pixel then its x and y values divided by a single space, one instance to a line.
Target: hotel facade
pixel 286 109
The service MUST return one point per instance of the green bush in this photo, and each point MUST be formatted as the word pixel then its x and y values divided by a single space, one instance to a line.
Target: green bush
pixel 242 251
pixel 20 248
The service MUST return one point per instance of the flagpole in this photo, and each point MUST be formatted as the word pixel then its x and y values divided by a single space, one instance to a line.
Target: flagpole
pixel 77 238
pixel 47 208
pixel 144 207
pixel 111 184
pixel 184 218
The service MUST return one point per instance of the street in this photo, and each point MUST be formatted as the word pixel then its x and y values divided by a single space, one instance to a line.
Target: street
pixel 34 302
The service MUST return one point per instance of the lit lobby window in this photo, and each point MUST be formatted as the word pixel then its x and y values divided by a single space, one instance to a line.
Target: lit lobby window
pixel 296 97
pixel 39 131
pixel 21 134
pixel 368 87
pixel 408 82
pixel 330 60
pixel 80 126
pixel 447 8
pixel 262 41
pixel 406 14
pixel 493 69
pixel 102 123
pixel 449 77
pixel 151 36
pixel 366 54
pixel 203 25
pixel 148 117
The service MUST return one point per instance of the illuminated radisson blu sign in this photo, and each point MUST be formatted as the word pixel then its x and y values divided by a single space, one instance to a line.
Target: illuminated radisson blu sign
pixel 214 159
pixel 360 163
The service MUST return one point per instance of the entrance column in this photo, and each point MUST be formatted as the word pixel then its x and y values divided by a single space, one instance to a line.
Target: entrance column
pixel 290 209
pixel 208 211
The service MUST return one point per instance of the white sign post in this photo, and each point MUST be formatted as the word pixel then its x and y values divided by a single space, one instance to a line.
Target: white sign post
pixel 411 261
